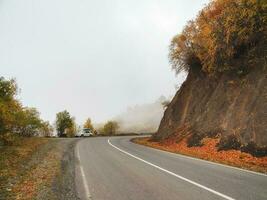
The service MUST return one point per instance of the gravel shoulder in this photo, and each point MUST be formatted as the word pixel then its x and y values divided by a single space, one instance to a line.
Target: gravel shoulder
pixel 63 184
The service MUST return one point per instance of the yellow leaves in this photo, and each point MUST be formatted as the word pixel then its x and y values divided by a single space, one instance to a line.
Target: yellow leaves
pixel 182 38
pixel 223 31
pixel 110 128
pixel 208 152
pixel 88 124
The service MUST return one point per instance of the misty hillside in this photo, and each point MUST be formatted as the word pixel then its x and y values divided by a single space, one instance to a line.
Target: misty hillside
pixel 225 93
pixel 143 118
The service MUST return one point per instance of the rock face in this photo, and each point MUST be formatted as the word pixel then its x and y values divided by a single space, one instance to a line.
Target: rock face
pixel 224 104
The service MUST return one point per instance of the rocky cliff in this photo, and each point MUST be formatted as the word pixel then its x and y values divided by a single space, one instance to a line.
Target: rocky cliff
pixel 223 104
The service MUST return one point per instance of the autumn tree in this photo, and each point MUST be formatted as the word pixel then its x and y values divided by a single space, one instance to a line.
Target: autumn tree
pixel 28 122
pixel 88 124
pixel 63 121
pixel 46 129
pixel 9 107
pixel 72 129
pixel 227 35
pixel 16 120
pixel 110 128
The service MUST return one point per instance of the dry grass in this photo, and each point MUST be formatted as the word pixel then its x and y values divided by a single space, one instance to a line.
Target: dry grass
pixel 209 152
pixel 15 166
pixel 41 175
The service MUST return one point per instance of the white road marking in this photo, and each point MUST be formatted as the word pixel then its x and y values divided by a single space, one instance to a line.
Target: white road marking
pixel 87 193
pixel 171 173
pixel 207 161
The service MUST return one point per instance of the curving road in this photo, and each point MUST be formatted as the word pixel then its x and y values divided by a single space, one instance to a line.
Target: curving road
pixel 113 168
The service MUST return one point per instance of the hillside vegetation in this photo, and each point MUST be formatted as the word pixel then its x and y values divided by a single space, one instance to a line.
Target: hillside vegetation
pixel 17 120
pixel 225 94
pixel 227 35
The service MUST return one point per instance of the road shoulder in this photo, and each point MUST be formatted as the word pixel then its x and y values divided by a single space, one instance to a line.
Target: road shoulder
pixel 207 152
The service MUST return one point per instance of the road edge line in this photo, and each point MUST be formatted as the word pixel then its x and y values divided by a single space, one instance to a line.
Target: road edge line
pixel 207 161
pixel 172 173
pixel 85 184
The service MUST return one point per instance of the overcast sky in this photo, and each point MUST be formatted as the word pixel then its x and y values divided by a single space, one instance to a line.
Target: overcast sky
pixel 92 57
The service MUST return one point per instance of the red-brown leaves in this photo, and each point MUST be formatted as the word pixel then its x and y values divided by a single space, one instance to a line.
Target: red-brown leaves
pixel 209 152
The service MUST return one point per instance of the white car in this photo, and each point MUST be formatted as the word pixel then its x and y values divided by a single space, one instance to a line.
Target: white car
pixel 86 132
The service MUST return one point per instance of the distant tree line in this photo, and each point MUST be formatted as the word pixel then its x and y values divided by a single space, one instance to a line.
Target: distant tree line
pixel 66 126
pixel 227 35
pixel 15 119
pixel 110 128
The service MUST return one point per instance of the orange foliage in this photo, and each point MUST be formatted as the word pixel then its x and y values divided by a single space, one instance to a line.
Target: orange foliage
pixel 223 32
pixel 209 152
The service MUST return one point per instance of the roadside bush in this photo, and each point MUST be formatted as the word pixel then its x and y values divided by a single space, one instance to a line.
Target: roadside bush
pixel 229 142
pixel 194 140
pixel 254 149
pixel 46 130
pixel 28 122
pixel 224 32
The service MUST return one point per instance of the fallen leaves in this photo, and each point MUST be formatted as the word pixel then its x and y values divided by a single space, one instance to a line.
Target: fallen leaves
pixel 15 168
pixel 209 152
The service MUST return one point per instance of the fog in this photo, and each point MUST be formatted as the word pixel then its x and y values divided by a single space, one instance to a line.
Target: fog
pixel 93 58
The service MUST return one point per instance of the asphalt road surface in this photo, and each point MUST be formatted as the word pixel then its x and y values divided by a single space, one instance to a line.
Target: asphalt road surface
pixel 113 168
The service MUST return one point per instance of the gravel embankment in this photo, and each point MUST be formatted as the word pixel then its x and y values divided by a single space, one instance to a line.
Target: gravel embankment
pixel 63 185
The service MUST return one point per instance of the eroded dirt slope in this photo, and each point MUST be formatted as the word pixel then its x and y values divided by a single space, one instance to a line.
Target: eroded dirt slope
pixel 225 104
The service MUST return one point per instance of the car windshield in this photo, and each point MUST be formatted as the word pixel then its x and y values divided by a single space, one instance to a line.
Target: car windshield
pixel 86 130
